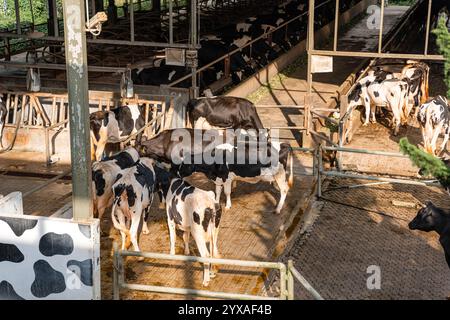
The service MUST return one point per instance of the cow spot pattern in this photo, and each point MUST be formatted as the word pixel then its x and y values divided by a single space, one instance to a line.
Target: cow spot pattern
pixel 53 244
pixel 47 280
pixel 84 268
pixel 19 226
pixel 7 292
pixel 9 252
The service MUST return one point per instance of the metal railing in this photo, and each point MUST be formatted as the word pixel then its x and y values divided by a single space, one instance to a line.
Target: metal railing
pixel 265 35
pixel 287 276
pixel 321 172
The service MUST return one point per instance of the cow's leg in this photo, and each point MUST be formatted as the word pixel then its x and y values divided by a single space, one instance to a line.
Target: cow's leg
pixel 186 234
pixel 283 186
pixel 136 214
pixel 396 118
pixel 444 143
pixel 227 191
pixel 219 185
pixel 100 149
pixel 436 133
pixel 367 107
pixel 373 111
pixel 125 240
pixel 144 225
pixel 172 234
pixel 200 240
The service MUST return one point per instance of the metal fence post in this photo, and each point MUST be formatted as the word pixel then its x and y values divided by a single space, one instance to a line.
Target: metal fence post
pixel 319 171
pixel 290 281
pixel 283 291
pixel 116 269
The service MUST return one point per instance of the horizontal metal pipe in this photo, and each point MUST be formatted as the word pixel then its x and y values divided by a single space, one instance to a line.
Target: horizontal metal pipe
pixel 241 263
pixel 46 183
pixel 201 293
pixel 56 66
pixel 364 151
pixel 276 106
pixel 365 177
pixel 378 55
pixel 303 149
pixel 287 128
pixel 101 41
pixel 305 283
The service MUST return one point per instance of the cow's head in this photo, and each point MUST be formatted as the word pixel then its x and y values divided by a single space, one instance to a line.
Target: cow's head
pixel 429 218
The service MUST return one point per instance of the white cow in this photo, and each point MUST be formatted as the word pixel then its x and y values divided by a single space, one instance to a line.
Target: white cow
pixel 133 196
pixel 434 118
pixel 104 174
pixel 194 211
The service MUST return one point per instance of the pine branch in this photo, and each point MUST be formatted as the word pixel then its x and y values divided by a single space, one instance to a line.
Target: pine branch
pixel 429 164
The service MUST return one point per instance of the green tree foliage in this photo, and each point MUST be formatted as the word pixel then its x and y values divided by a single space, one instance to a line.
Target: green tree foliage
pixel 443 42
pixel 8 12
pixel 429 164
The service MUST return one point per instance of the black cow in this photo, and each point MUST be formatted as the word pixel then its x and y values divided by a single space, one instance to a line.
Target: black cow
pixel 161 74
pixel 432 218
pixel 223 112
pixel 112 126
pixel 165 147
pixel 3 112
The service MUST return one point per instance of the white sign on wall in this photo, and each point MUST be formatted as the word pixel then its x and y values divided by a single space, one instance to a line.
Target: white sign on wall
pixel 321 64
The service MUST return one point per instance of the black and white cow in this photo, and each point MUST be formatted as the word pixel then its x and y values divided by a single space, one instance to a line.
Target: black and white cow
pixel 223 112
pixel 105 173
pixel 164 146
pixel 391 93
pixel 113 126
pixel 434 117
pixel 432 218
pixel 418 75
pixel 3 113
pixel 213 48
pixel 133 195
pixel 195 212
pixel 161 74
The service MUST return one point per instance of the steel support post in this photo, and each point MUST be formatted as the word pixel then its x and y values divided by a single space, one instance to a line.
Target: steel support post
pixel 17 10
pixel 427 30
pixel 194 42
pixel 77 85
pixel 380 37
pixel 310 43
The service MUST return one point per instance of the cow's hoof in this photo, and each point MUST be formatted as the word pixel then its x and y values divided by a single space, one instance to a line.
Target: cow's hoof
pixel 205 283
pixel 146 232
pixel 365 124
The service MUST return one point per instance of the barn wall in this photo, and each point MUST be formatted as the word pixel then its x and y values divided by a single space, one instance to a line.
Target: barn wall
pixel 265 75
pixel 48 258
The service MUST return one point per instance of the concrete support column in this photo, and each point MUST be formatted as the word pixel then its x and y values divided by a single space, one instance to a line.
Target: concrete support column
pixel 77 84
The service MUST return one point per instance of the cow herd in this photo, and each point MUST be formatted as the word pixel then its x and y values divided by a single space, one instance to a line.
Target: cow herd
pixel 243 63
pixel 406 96
pixel 129 180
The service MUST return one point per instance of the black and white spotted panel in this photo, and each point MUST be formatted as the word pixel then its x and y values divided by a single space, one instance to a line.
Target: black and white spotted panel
pixel 48 258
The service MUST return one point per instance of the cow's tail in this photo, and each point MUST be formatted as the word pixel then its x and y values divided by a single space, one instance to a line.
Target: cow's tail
pixel 189 108
pixel 290 162
pixel 122 196
pixel 212 233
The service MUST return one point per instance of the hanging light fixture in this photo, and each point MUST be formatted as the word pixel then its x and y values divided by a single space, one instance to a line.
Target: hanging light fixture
pixel 126 85
pixel 33 80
